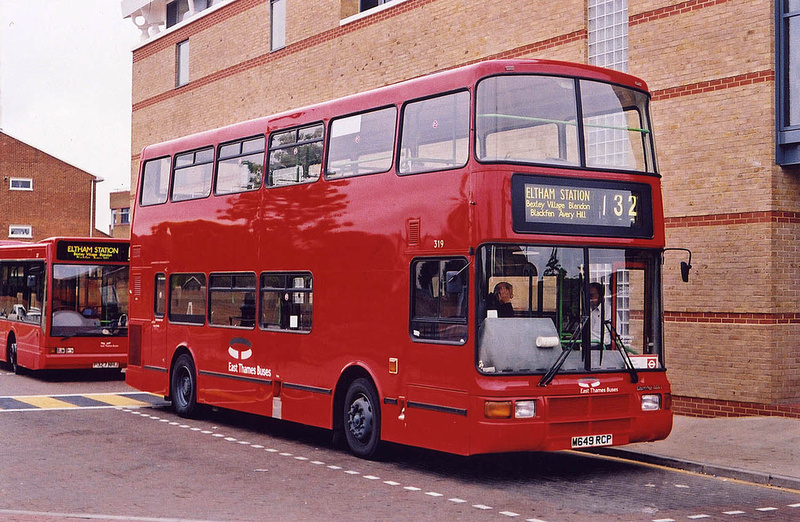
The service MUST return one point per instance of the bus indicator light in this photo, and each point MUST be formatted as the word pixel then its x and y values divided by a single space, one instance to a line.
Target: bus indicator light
pixel 497 409
pixel 393 365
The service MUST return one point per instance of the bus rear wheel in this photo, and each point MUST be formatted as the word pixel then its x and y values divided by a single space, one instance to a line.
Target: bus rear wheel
pixel 183 386
pixel 362 419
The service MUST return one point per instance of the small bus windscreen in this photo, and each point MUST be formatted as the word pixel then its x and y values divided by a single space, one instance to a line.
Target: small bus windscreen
pixel 538 302
pixel 546 119
pixel 89 300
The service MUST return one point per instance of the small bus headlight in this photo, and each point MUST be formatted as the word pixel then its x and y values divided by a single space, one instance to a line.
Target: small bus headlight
pixel 651 402
pixel 525 409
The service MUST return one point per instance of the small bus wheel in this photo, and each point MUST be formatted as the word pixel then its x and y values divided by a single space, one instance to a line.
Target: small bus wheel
pixel 362 418
pixel 183 386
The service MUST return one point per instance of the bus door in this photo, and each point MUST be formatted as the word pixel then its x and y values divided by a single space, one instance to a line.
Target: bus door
pixel 155 345
pixel 438 362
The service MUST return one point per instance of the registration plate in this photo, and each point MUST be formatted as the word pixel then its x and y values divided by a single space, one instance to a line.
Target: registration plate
pixel 105 365
pixel 589 441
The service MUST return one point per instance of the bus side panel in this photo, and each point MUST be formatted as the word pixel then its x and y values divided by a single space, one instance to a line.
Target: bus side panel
pixel 29 339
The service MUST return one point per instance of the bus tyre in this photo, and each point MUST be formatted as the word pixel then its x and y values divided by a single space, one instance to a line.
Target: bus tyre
pixel 11 356
pixel 183 386
pixel 362 419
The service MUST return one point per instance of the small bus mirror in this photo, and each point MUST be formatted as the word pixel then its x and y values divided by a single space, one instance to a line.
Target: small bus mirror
pixel 32 281
pixel 685 271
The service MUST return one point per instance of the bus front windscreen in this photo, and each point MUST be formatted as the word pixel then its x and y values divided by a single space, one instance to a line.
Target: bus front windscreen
pixel 538 305
pixel 545 120
pixel 89 300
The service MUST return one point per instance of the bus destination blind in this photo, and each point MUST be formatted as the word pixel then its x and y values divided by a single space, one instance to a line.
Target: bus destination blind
pixel 90 251
pixel 581 207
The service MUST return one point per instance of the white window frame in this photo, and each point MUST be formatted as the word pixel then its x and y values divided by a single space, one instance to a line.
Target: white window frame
pixel 369 12
pixel 23 231
pixel 277 22
pixel 182 50
pixel 12 187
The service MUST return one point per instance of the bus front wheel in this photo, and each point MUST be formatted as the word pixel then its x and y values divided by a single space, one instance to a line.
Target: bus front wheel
pixel 362 418
pixel 11 355
pixel 183 386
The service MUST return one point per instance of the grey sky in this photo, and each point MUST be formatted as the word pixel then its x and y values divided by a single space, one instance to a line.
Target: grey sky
pixel 65 84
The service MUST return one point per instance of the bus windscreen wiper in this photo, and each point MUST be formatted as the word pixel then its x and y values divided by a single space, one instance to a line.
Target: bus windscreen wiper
pixel 623 351
pixel 576 336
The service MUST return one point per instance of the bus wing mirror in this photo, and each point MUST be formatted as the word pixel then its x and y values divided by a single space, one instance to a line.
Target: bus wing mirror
pixel 685 267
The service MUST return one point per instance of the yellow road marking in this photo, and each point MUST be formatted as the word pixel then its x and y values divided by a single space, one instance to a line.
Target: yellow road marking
pixel 117 400
pixel 45 402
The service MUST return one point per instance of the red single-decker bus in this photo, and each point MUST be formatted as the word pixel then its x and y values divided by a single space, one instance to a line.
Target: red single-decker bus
pixel 64 303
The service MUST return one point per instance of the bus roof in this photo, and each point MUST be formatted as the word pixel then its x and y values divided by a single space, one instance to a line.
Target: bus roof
pixel 419 87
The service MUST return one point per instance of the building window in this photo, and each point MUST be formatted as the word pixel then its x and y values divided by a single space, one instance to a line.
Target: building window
pixel 20 232
pixel 182 63
pixel 364 5
pixel 608 34
pixel 124 216
pixel 787 79
pixel 278 24
pixel 20 184
pixel 352 10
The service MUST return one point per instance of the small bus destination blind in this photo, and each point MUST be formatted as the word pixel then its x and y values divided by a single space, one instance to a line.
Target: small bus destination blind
pixel 89 251
pixel 547 205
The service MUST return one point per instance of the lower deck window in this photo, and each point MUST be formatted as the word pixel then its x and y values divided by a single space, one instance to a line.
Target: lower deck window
pixel 232 300
pixel 439 300
pixel 287 301
pixel 187 298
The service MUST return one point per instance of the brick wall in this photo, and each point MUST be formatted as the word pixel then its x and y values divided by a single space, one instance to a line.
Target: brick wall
pixel 731 332
pixel 61 202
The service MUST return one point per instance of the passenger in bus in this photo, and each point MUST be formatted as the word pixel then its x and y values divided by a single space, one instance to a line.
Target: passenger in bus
pixel 500 299
pixel 601 336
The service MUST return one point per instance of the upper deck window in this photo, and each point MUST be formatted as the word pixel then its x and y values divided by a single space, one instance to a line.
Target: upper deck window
pixel 155 181
pixel 435 134
pixel 240 166
pixel 192 178
pixel 528 119
pixel 534 119
pixel 615 127
pixel 295 155
pixel 362 143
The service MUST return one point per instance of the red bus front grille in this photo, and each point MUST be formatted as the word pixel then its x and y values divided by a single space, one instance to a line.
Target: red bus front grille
pixel 591 407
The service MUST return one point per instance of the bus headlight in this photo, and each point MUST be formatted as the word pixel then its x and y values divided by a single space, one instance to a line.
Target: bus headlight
pixel 525 409
pixel 651 402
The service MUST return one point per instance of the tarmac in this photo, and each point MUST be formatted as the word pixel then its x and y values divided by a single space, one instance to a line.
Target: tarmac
pixel 763 450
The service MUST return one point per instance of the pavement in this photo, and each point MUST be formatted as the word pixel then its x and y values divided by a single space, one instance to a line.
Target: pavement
pixel 764 450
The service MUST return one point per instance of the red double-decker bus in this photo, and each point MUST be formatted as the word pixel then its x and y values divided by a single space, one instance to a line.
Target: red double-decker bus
pixel 468 261
pixel 64 303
